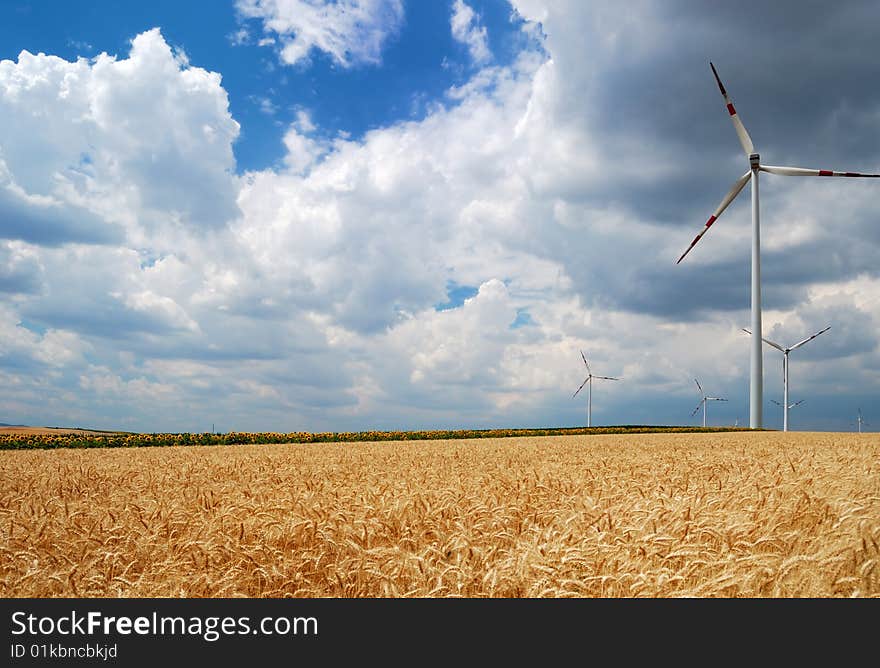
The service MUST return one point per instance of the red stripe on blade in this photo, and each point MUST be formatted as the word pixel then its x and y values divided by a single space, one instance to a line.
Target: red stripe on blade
pixel 731 110
pixel 711 220
pixel 825 172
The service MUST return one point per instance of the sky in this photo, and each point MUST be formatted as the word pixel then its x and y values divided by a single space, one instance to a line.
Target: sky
pixel 318 215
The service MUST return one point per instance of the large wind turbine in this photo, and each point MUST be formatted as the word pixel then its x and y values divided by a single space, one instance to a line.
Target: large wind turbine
pixel 589 380
pixel 756 388
pixel 785 352
pixel 703 401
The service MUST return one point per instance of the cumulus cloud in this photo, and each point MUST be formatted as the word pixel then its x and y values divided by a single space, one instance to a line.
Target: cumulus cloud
pixel 350 32
pixel 466 29
pixel 90 146
pixel 458 346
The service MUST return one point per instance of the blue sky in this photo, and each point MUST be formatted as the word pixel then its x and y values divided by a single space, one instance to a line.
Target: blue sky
pixel 420 61
pixel 389 214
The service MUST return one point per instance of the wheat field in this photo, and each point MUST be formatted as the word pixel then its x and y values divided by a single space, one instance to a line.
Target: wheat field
pixel 763 514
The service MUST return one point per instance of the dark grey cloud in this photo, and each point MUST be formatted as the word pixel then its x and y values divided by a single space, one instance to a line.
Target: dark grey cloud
pixel 792 68
pixel 852 332
pixel 800 75
pixel 91 314
pixel 52 224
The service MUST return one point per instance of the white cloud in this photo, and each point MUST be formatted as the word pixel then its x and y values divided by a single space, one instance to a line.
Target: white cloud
pixel 159 308
pixel 351 32
pixel 23 348
pixel 110 386
pixel 457 346
pixel 138 142
pixel 266 105
pixel 466 29
pixel 239 37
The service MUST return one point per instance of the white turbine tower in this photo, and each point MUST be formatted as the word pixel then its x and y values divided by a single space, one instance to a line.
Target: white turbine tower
pixel 703 401
pixel 756 387
pixel 589 380
pixel 785 352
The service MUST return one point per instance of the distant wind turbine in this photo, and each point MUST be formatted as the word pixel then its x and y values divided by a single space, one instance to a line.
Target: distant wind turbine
pixel 589 381
pixel 785 352
pixel 861 421
pixel 756 382
pixel 703 401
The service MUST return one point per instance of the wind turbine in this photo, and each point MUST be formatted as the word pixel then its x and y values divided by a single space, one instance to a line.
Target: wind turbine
pixel 861 421
pixel 785 352
pixel 589 380
pixel 756 384
pixel 703 401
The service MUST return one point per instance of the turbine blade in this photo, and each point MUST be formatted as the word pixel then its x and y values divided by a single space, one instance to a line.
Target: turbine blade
pixel 606 377
pixel 728 198
pixel 799 171
pixel 797 403
pixel 585 362
pixel 699 387
pixel 770 343
pixel 580 388
pixel 809 338
pixel 699 406
pixel 715 399
pixel 775 402
pixel 767 341
pixel 744 138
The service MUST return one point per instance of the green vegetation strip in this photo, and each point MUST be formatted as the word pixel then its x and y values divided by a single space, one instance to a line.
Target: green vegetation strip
pixel 130 440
